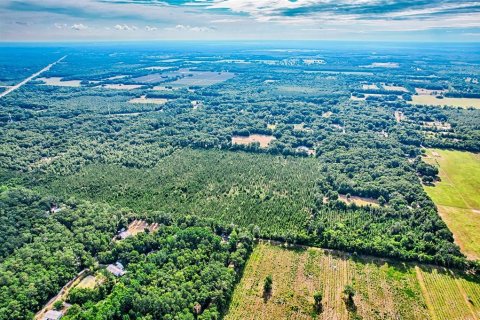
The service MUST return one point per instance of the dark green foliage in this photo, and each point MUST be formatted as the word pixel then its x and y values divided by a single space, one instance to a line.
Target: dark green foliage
pixel 317 298
pixel 267 284
pixel 168 273
pixel 60 247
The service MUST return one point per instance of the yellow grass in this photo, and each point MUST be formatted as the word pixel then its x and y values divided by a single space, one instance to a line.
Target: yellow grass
pixel 264 140
pixel 457 196
pixel 383 291
pixel 272 126
pixel 447 294
pixel 452 102
pixel 88 282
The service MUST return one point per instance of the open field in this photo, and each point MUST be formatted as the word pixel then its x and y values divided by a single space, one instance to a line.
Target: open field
pixel 57 81
pixel 381 65
pixel 203 79
pixel 186 77
pixel 144 99
pixel 264 140
pixel 383 290
pixel 423 91
pixel 453 102
pixel 457 196
pixel 121 86
pixel 394 88
pixel 369 87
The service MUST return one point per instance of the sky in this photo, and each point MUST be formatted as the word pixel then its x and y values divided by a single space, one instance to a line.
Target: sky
pixel 127 20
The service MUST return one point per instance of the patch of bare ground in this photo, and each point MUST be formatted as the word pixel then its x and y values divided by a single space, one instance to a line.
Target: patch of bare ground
pixel 359 201
pixel 263 140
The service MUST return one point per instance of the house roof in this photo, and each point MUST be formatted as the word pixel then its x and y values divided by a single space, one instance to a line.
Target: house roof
pixel 52 315
pixel 115 270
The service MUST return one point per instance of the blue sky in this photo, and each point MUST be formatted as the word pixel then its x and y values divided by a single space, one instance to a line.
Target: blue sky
pixel 383 20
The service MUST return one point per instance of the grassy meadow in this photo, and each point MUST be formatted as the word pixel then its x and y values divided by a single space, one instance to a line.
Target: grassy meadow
pixel 451 102
pixel 384 290
pixel 457 196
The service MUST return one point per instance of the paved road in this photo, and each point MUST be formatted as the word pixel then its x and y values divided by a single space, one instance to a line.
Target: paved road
pixel 18 85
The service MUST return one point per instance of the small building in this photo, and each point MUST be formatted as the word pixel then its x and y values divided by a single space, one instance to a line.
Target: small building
pixel 116 269
pixel 52 315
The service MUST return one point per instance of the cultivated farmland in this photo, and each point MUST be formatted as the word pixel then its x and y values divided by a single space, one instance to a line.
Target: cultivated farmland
pixel 384 290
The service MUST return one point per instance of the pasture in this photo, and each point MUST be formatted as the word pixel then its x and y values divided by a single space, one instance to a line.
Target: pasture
pixel 384 290
pixel 450 102
pixel 457 196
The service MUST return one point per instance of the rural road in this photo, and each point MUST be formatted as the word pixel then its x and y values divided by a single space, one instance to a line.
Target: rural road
pixel 18 85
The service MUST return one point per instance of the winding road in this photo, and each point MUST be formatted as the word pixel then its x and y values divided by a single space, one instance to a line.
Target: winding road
pixel 18 85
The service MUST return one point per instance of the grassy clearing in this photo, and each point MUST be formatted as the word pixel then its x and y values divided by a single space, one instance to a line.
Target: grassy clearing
pixel 383 290
pixel 456 196
pixel 89 282
pixel 144 99
pixel 359 201
pixel 394 88
pixel 452 102
pixel 57 81
pixel 264 140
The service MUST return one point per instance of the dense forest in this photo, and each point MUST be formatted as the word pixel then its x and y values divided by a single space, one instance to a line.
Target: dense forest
pixel 154 134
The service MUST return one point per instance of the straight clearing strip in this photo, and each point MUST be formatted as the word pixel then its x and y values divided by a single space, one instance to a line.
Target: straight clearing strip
pixel 15 87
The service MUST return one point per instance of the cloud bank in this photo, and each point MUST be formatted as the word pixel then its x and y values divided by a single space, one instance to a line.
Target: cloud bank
pixel 422 20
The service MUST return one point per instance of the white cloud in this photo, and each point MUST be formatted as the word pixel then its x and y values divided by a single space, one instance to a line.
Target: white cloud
pixel 124 27
pixel 182 27
pixel 79 26
pixel 150 28
pixel 60 25
pixel 225 21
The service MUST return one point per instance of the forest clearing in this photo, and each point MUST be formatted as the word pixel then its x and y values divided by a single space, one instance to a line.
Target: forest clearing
pixel 262 139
